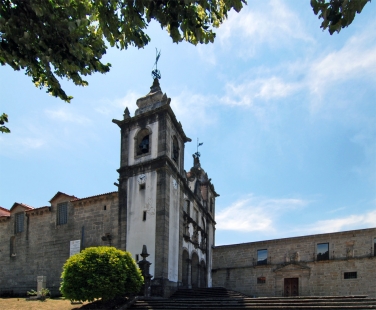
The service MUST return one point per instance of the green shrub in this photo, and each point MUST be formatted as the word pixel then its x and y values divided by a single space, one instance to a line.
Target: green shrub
pixel 42 293
pixel 100 272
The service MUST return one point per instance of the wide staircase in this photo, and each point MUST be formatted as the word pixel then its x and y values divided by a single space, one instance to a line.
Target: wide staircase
pixel 221 298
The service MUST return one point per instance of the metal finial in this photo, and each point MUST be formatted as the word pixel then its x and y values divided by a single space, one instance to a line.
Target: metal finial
pixel 156 74
pixel 198 144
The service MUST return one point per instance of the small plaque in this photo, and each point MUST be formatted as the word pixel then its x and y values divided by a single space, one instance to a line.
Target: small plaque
pixel 75 247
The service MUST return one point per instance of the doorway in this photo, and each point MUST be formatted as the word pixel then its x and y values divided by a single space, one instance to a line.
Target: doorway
pixel 291 287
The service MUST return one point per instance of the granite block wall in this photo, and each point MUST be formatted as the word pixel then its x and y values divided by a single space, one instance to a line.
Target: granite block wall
pixel 42 247
pixel 350 269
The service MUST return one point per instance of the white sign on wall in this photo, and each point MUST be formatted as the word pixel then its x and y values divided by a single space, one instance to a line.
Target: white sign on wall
pixel 75 246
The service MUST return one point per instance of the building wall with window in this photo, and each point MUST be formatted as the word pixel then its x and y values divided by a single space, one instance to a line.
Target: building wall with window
pixel 37 241
pixel 172 212
pixel 158 204
pixel 341 263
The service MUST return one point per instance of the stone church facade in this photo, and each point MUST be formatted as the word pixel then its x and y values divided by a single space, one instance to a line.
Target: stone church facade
pixel 172 212
pixel 158 204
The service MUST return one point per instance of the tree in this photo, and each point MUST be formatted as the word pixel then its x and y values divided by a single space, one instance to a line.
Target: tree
pixel 100 272
pixel 337 14
pixel 54 39
pixel 3 120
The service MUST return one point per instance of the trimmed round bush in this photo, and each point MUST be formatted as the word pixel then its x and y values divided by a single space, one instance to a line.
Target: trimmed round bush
pixel 100 272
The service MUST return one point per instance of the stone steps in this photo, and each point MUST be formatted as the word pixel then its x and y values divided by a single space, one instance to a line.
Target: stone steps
pixel 220 298
pixel 213 292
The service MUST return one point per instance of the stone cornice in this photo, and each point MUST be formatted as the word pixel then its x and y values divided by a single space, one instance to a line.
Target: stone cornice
pixel 166 108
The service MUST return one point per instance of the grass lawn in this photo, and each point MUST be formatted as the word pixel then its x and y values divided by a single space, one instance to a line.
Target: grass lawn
pixel 24 304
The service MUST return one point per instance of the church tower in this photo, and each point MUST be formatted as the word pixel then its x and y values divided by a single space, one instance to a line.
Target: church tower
pixel 156 197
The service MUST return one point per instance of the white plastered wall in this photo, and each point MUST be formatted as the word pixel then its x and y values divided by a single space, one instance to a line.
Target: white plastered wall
pixel 173 240
pixel 140 232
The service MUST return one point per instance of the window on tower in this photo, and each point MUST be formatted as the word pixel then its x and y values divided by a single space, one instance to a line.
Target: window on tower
pixel 175 149
pixel 142 142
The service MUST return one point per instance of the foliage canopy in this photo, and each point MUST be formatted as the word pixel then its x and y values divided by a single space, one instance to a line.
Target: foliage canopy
pixel 3 120
pixel 337 14
pixel 52 39
pixel 100 272
pixel 67 38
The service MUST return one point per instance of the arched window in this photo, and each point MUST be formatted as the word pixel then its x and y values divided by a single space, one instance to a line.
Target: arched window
pixel 142 142
pixel 175 150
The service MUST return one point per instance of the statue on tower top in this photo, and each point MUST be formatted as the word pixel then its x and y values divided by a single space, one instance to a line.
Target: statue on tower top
pixel 156 74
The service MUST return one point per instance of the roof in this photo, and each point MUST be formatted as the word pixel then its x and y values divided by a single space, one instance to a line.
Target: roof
pixel 4 212
pixel 24 205
pixel 90 197
pixel 38 211
pixel 61 193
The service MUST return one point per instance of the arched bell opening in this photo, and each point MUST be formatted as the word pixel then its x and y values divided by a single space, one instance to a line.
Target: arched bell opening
pixel 143 142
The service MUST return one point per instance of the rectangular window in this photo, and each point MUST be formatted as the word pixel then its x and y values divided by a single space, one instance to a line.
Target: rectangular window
pixel 322 251
pixel 186 207
pixel 62 213
pixel 142 186
pixel 261 280
pixel 262 257
pixel 19 225
pixel 144 216
pixel 350 275
pixel 374 247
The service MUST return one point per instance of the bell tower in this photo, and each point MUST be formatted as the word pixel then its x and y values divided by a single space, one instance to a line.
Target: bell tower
pixel 151 186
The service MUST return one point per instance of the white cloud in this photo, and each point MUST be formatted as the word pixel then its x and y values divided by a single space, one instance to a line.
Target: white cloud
pixel 63 114
pixel 259 95
pixel 255 213
pixel 355 60
pixel 23 139
pixel 271 23
pixel 345 223
pixel 194 110
pixel 262 88
pixel 207 53
pixel 317 77
pixel 111 107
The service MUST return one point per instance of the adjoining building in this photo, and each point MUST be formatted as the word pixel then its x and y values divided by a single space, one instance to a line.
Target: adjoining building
pixel 342 263
pixel 172 212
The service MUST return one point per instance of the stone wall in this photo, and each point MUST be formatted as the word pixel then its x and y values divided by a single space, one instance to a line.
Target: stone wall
pixel 42 247
pixel 236 266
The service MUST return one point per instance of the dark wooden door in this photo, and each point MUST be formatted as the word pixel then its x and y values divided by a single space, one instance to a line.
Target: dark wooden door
pixel 291 287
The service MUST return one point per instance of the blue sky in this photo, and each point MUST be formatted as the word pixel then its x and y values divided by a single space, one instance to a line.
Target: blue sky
pixel 287 114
